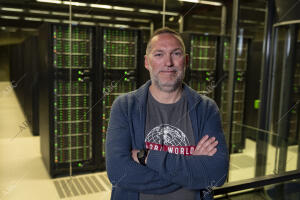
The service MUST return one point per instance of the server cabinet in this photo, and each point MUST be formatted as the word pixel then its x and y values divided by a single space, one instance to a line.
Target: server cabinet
pixel 17 72
pixel 237 135
pixel 202 50
pixel 68 104
pixel 121 71
pixel 30 107
pixel 294 118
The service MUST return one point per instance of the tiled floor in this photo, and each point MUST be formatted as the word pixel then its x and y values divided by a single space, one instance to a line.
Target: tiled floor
pixel 23 174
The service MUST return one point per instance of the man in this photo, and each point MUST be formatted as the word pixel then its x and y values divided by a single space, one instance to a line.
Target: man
pixel 165 141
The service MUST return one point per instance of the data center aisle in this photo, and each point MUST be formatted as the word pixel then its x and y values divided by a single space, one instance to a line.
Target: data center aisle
pixel 23 174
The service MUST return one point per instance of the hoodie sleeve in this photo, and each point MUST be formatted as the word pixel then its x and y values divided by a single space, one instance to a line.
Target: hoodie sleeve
pixel 122 170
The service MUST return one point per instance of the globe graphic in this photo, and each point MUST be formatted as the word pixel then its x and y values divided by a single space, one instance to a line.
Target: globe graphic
pixel 166 134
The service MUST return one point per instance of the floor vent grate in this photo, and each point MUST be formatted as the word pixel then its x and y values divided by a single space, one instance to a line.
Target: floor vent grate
pixel 81 185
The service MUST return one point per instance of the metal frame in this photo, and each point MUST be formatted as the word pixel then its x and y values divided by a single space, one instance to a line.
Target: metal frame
pixel 232 69
pixel 256 182
pixel 264 116
pixel 286 94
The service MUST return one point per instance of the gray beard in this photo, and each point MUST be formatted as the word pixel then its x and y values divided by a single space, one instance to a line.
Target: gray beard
pixel 167 87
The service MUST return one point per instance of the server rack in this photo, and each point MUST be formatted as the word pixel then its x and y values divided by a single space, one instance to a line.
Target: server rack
pixel 121 61
pixel 201 74
pixel 24 80
pixel 294 118
pixel 17 72
pixel 237 135
pixel 69 113
pixel 31 84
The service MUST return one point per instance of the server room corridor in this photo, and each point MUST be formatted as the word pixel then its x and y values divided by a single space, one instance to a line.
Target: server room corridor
pixel 23 174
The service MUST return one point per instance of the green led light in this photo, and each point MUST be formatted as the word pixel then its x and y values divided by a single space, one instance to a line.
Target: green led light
pixel 256 103
pixel 79 72
pixel 125 79
pixel 55 103
pixel 238 78
pixel 55 131
pixel 103 127
pixel 125 72
pixel 55 90
pixel 207 73
pixel 79 79
pixel 55 144
pixel 207 79
pixel 55 117
pixel 79 165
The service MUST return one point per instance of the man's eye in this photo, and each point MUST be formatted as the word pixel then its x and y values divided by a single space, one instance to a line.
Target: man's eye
pixel 158 54
pixel 178 53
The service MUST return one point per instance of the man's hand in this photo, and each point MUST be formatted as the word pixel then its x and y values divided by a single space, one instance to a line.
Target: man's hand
pixel 134 155
pixel 206 146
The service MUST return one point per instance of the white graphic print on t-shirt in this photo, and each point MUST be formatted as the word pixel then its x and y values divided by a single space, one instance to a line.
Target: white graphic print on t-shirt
pixel 168 138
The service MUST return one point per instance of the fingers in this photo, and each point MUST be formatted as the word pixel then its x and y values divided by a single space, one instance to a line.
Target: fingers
pixel 206 146
pixel 201 142
pixel 134 155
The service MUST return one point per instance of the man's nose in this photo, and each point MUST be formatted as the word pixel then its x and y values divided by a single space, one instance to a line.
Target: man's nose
pixel 169 60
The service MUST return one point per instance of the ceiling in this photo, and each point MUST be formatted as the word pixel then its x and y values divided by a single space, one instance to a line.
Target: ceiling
pixel 197 17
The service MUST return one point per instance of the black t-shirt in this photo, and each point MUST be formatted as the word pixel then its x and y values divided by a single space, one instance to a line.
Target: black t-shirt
pixel 169 128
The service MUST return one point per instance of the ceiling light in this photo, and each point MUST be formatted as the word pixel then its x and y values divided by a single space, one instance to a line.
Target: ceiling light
pixel 212 3
pixel 52 20
pixel 32 19
pixel 120 26
pixel 141 20
pixel 149 11
pixel 60 13
pixel 87 23
pixel 100 6
pixel 68 22
pixel 39 12
pixel 101 17
pixel 169 13
pixel 13 9
pixel 123 8
pixel 122 19
pixel 74 3
pixel 83 15
pixel 49 1
pixel 9 17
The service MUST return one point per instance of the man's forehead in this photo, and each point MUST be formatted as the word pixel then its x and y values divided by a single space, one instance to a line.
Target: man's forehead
pixel 162 41
pixel 158 38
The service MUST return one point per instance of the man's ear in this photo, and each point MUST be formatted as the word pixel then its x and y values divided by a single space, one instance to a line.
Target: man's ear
pixel 146 62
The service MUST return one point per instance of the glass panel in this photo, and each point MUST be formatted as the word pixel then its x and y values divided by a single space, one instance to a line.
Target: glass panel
pixel 279 158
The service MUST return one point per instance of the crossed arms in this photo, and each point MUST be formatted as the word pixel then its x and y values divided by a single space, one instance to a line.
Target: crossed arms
pixel 164 172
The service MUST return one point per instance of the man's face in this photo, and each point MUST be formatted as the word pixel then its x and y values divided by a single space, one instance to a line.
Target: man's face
pixel 166 62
